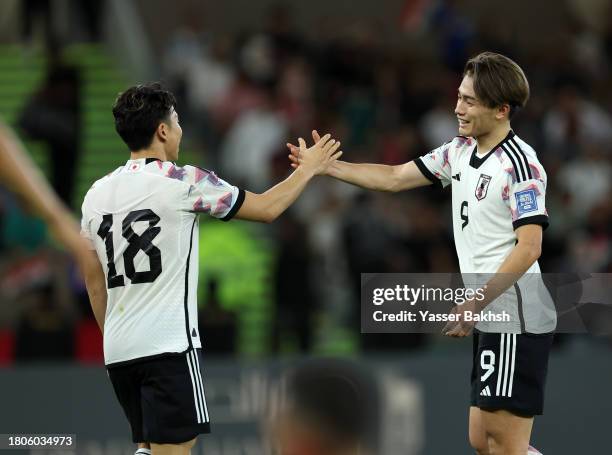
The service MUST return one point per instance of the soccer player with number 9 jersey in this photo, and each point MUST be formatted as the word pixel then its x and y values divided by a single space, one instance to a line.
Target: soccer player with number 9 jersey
pixel 499 214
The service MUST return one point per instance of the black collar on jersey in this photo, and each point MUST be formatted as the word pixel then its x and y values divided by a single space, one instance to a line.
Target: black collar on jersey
pixel 151 160
pixel 476 161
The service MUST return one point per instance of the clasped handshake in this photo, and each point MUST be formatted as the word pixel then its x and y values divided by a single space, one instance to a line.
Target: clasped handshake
pixel 317 159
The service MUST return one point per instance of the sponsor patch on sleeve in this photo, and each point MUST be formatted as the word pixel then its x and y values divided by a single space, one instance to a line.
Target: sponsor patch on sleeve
pixel 526 201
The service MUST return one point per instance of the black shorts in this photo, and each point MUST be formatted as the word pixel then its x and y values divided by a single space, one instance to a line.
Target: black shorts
pixel 163 398
pixel 509 372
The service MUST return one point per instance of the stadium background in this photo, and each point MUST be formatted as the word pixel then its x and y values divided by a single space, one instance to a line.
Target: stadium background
pixel 382 77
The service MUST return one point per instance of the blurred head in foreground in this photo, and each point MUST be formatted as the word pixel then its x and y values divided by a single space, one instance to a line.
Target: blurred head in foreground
pixel 328 407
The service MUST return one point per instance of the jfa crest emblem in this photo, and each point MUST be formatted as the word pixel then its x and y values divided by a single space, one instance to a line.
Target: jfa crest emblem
pixel 482 186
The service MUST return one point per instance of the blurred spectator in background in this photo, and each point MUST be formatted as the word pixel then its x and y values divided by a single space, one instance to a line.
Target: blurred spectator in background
pixel 573 120
pixel 295 305
pixel 375 237
pixel 586 179
pixel 295 94
pixel 455 33
pixel 251 142
pixel 439 124
pixel 87 17
pixel 53 115
pixel 90 14
pixel 33 11
pixel 199 69
pixel 367 239
pixel 44 332
pixel 218 326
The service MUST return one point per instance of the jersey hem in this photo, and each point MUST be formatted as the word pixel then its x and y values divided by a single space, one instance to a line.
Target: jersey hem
pixel 162 355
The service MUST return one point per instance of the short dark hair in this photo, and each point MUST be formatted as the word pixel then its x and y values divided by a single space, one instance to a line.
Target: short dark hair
pixel 498 80
pixel 138 112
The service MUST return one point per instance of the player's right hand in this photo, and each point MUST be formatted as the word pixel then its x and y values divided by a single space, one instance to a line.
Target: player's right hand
pixel 318 158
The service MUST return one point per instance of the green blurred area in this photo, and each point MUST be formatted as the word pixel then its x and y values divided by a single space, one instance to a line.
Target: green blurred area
pixel 239 257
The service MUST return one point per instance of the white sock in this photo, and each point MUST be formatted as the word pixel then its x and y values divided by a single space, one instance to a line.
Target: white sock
pixel 143 452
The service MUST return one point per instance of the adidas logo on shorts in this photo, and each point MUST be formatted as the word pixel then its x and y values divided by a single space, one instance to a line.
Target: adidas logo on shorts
pixel 486 392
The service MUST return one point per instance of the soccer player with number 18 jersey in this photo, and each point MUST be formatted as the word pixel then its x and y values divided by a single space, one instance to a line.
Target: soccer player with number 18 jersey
pixel 142 224
pixel 499 214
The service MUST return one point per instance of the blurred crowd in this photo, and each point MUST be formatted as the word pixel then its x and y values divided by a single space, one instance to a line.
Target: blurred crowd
pixel 242 97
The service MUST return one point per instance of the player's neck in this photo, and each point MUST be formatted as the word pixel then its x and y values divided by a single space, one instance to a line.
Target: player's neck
pixel 487 141
pixel 150 152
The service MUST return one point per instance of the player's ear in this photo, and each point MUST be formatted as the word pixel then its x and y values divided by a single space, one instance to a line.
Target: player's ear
pixel 162 131
pixel 503 111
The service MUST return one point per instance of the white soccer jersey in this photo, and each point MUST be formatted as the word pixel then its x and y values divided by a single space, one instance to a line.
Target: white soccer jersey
pixel 142 220
pixel 492 196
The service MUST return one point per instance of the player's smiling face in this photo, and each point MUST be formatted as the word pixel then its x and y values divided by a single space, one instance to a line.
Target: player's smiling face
pixel 475 118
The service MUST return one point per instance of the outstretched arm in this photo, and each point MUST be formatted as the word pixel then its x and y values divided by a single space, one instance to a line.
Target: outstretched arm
pixel 22 177
pixel 268 206
pixel 378 177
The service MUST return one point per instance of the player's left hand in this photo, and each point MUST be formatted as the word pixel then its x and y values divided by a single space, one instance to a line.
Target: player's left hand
pixel 461 327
